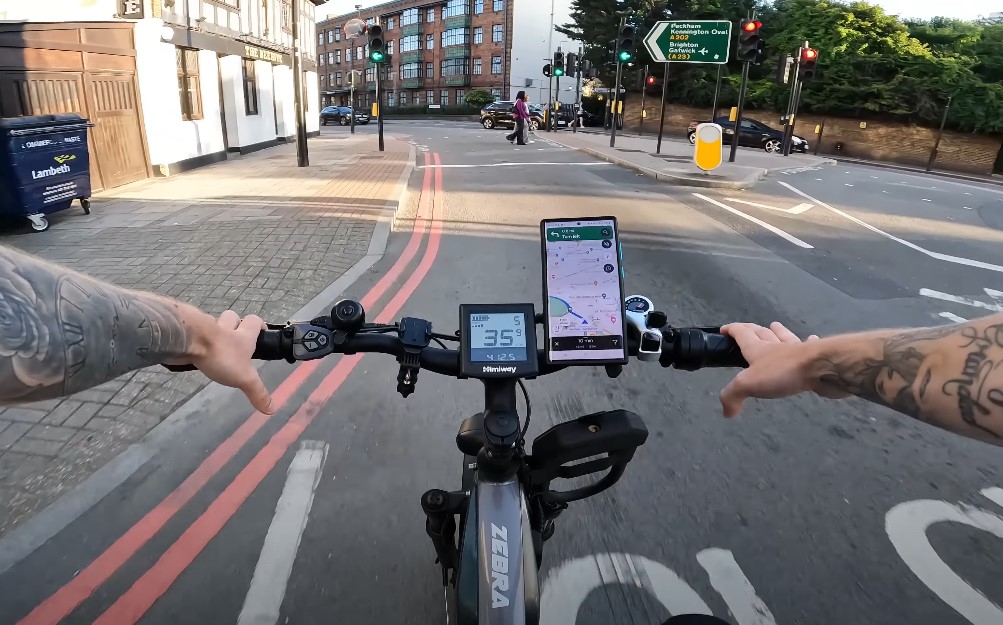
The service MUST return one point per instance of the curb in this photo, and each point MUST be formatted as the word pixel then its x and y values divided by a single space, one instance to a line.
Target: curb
pixel 923 172
pixel 23 540
pixel 681 180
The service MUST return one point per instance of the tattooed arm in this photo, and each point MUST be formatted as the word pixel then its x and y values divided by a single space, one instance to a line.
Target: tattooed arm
pixel 948 376
pixel 62 332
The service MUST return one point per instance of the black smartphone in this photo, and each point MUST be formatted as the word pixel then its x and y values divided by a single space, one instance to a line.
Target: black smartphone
pixel 583 291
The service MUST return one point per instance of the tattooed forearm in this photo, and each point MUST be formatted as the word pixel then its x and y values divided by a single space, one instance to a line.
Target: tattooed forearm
pixel 62 332
pixel 950 376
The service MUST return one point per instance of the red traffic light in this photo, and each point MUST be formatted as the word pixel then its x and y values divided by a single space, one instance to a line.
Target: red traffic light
pixel 751 25
pixel 651 80
pixel 809 54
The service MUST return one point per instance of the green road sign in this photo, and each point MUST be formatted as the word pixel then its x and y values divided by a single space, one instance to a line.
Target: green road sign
pixel 690 41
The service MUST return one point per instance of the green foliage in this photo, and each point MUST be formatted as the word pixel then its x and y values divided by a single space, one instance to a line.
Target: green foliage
pixel 871 64
pixel 479 98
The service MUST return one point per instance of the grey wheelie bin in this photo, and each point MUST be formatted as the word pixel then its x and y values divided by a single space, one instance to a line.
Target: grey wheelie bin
pixel 44 166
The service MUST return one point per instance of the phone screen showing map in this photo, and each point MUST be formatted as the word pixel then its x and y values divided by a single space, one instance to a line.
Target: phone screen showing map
pixel 584 291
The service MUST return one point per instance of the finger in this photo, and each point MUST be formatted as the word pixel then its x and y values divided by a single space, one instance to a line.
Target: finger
pixel 251 325
pixel 228 320
pixel 767 335
pixel 740 331
pixel 813 337
pixel 258 395
pixel 733 396
pixel 785 335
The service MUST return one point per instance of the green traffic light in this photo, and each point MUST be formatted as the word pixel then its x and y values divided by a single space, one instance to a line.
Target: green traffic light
pixel 625 56
pixel 376 56
pixel 558 72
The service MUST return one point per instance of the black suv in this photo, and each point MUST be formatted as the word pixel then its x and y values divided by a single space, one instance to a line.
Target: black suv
pixel 754 135
pixel 502 114
pixel 340 115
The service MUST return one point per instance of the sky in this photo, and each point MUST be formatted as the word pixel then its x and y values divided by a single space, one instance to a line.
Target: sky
pixel 962 9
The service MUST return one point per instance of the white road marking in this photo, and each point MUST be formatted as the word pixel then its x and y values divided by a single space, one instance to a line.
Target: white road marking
pixel 995 494
pixel 969 207
pixel 734 587
pixel 937 255
pixel 906 525
pixel 953 317
pixel 568 584
pixel 797 210
pixel 777 231
pixel 847 184
pixel 967 193
pixel 471 165
pixel 996 296
pixel 271 575
pixel 926 200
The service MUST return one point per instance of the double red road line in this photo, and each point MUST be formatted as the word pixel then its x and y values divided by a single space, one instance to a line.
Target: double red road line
pixel 135 602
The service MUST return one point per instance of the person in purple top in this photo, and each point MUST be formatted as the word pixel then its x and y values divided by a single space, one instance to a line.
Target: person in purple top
pixel 521 115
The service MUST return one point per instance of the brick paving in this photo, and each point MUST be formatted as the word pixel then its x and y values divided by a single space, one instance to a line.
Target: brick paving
pixel 256 234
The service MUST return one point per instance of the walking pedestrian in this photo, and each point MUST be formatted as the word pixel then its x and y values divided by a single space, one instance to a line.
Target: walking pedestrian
pixel 521 115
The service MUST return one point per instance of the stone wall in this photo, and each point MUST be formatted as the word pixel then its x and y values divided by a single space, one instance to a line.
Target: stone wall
pixel 879 141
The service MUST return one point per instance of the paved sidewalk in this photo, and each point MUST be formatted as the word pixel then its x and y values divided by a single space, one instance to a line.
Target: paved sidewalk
pixel 256 234
pixel 675 163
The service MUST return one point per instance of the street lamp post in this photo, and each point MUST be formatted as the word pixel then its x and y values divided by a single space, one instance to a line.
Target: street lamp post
pixel 302 153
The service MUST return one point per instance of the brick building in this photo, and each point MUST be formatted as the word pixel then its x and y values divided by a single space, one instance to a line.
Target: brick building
pixel 440 49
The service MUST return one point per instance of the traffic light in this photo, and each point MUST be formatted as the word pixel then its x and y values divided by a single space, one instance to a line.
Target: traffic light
pixel 651 81
pixel 572 65
pixel 611 52
pixel 625 44
pixel 547 70
pixel 809 56
pixel 558 68
pixel 377 46
pixel 749 40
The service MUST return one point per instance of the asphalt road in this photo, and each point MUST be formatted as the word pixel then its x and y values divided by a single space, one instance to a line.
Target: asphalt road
pixel 780 516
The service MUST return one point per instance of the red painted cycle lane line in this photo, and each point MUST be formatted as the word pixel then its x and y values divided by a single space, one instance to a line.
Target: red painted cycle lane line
pixel 152 585
pixel 83 585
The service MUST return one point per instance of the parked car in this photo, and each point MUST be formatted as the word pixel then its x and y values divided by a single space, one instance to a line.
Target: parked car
pixel 341 115
pixel 755 134
pixel 500 114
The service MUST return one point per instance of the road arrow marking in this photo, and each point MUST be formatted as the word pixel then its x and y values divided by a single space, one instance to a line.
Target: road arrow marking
pixel 797 210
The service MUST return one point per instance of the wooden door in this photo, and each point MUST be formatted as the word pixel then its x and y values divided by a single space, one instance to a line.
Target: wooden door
pixel 117 132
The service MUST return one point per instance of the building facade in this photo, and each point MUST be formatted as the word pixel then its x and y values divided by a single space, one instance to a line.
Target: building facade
pixel 169 84
pixel 439 49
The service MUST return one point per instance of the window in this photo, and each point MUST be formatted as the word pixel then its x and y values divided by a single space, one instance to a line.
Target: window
pixel 287 16
pixel 348 55
pixel 337 33
pixel 430 42
pixel 455 37
pixel 320 61
pixel 408 17
pixel 390 23
pixel 444 97
pixel 337 78
pixel 430 97
pixel 188 83
pixel 459 96
pixel 403 98
pixel 323 79
pixel 456 7
pixel 496 33
pixel 430 18
pixel 365 51
pixel 478 70
pixel 370 74
pixel 429 70
pixel 330 58
pixel 455 67
pixel 410 70
pixel 320 38
pixel 478 6
pixel 390 47
pixel 330 78
pixel 250 88
pixel 370 21
pixel 499 5
pixel 478 35
pixel 358 53
pixel 496 94
pixel 337 57
pixel 391 99
pixel 496 65
pixel 410 43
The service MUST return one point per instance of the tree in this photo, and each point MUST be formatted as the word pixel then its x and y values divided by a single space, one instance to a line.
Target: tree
pixel 479 98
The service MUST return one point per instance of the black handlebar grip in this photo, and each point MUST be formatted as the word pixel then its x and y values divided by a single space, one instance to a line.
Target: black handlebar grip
pixel 723 351
pixel 269 346
pixel 698 348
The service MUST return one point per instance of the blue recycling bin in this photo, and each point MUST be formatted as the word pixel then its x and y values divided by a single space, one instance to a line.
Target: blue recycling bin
pixel 44 166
